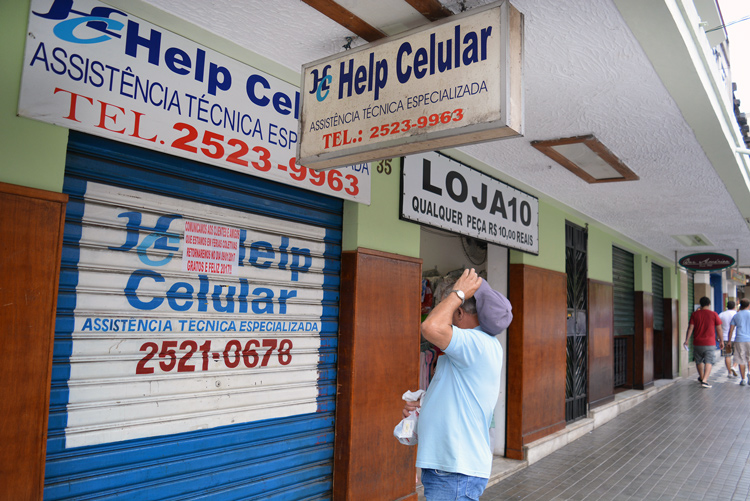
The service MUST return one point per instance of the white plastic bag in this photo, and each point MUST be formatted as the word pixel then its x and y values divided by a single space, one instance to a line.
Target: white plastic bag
pixel 406 430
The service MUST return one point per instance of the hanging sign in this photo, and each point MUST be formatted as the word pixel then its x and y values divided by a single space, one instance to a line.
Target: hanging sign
pixel 453 82
pixel 439 191
pixel 96 69
pixel 737 276
pixel 706 261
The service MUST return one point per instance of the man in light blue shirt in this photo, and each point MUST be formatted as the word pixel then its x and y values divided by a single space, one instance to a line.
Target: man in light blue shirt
pixel 740 329
pixel 726 319
pixel 454 421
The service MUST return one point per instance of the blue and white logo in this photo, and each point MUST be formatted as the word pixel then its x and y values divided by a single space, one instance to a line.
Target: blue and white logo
pixel 321 84
pixel 99 26
pixel 157 237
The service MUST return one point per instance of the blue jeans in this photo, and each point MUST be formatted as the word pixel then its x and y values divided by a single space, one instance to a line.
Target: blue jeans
pixel 442 485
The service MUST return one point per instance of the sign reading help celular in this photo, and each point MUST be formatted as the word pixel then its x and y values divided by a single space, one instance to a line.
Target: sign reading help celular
pixel 102 71
pixel 453 82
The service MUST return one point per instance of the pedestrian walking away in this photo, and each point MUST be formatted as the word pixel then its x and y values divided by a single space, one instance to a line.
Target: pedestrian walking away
pixel 728 351
pixel 453 447
pixel 740 328
pixel 705 327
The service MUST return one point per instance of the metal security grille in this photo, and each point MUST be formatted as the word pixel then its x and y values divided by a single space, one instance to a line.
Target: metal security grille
pixel 621 361
pixel 196 340
pixel 657 289
pixel 576 380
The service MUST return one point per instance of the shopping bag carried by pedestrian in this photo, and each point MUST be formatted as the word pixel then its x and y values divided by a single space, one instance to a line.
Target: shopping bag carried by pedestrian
pixel 406 430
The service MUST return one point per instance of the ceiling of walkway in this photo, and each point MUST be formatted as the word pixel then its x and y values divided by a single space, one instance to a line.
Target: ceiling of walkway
pixel 585 73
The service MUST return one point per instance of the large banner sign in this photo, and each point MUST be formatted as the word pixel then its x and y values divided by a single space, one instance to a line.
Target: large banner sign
pixel 456 81
pixel 99 70
pixel 441 192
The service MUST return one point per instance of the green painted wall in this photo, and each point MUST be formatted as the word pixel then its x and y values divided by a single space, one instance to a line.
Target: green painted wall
pixel 378 226
pixel 600 241
pixel 671 283
pixel 33 153
pixel 600 255
pixel 642 273
pixel 551 241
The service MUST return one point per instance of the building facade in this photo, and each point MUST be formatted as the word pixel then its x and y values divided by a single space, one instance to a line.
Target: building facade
pixel 188 313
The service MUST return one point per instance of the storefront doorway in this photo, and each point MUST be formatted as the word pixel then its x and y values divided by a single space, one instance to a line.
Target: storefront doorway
pixel 445 254
pixel 576 268
pixel 623 281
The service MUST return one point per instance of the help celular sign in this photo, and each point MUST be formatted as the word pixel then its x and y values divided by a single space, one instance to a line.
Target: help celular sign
pixel 453 82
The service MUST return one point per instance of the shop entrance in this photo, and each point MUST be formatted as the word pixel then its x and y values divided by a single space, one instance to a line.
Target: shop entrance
pixel 444 256
pixel 662 336
pixel 623 282
pixel 174 375
pixel 576 268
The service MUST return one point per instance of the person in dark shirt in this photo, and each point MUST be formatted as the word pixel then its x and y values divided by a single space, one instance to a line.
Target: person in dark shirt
pixel 705 327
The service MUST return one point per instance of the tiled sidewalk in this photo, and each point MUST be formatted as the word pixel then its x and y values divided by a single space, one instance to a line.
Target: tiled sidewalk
pixel 685 443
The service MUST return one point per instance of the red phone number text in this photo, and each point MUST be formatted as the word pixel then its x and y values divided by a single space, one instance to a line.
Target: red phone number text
pixel 342 138
pixel 233 354
pixel 237 152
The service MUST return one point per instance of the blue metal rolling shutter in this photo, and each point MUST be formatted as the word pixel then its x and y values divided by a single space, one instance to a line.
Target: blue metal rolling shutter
pixel 288 457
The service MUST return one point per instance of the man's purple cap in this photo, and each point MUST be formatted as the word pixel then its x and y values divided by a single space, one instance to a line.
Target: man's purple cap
pixel 493 309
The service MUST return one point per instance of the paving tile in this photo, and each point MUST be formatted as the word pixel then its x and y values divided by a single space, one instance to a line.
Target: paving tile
pixel 685 443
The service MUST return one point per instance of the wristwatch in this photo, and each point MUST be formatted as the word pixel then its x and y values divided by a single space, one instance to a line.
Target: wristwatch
pixel 460 295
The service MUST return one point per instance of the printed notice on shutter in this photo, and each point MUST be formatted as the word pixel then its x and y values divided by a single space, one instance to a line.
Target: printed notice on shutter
pixel 210 248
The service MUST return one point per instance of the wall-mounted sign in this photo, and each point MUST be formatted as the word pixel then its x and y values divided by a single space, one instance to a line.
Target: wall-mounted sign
pixel 96 69
pixel 452 82
pixel 706 261
pixel 439 191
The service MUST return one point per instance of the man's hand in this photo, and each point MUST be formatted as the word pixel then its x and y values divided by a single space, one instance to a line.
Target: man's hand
pixel 468 282
pixel 687 337
pixel 409 407
pixel 438 326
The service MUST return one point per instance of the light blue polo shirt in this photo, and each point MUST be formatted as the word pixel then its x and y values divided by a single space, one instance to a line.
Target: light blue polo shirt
pixel 454 422
pixel 741 322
